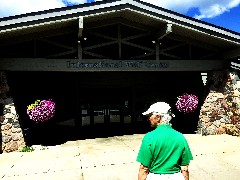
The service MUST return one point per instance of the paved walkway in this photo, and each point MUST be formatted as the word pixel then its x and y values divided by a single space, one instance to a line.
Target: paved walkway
pixel 113 158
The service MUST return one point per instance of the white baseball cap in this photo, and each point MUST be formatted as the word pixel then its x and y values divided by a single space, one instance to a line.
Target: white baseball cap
pixel 159 108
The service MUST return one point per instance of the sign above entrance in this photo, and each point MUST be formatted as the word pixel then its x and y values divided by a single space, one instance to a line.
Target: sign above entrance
pixel 117 65
pixel 73 65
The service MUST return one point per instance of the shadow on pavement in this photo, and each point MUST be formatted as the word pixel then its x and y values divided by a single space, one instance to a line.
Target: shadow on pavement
pixel 52 135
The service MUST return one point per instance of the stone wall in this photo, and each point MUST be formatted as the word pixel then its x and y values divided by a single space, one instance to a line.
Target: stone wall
pixel 11 132
pixel 220 111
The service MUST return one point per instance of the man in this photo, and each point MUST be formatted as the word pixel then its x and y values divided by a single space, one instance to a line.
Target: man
pixel 164 152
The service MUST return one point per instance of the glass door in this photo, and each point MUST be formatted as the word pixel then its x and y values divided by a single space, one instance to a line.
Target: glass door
pixel 106 114
pixel 98 114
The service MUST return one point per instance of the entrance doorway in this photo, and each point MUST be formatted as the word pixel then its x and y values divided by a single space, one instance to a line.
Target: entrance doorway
pixel 95 104
pixel 104 105
pixel 98 114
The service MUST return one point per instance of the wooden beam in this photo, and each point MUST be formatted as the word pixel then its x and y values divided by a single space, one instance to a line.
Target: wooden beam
pixel 31 36
pixel 112 38
pixel 62 53
pixel 170 55
pixel 232 53
pixel 209 55
pixel 95 55
pixel 191 41
pixel 137 46
pixel 100 35
pixel 136 36
pixel 57 44
pixel 68 49
pixel 100 45
pixel 143 55
pixel 172 47
pixel 113 21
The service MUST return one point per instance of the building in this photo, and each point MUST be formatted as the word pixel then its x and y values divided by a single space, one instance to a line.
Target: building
pixel 108 61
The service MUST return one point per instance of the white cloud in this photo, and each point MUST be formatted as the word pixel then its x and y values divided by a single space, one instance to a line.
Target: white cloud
pixel 77 1
pixel 180 6
pixel 215 8
pixel 15 7
pixel 206 8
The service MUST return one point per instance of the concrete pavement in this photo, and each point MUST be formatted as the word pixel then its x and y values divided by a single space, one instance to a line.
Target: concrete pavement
pixel 113 158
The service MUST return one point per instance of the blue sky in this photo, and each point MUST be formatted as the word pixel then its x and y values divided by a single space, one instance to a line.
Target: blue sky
pixel 224 13
pixel 229 19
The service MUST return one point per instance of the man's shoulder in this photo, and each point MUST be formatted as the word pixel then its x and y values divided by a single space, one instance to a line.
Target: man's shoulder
pixel 149 134
pixel 179 134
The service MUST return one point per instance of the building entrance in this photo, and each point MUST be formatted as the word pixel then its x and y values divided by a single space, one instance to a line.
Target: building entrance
pixel 93 103
pixel 105 112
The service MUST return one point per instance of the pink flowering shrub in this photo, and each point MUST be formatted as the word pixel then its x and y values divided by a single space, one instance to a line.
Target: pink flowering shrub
pixel 187 103
pixel 41 111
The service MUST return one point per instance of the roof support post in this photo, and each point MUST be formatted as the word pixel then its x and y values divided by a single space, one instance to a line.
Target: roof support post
pixel 80 26
pixel 157 50
pixel 160 35
pixel 164 31
pixel 79 50
pixel 119 43
pixel 80 29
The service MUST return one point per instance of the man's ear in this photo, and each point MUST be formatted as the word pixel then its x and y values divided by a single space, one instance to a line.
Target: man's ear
pixel 159 118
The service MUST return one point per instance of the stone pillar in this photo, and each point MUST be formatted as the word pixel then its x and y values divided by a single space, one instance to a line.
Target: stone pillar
pixel 220 111
pixel 11 133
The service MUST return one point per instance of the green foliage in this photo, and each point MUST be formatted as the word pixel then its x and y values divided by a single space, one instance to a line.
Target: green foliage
pixel 36 103
pixel 27 149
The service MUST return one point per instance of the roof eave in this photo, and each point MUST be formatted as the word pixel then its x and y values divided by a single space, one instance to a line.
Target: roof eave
pixel 97 8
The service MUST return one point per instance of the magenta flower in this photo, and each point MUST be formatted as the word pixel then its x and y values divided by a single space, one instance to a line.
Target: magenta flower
pixel 41 111
pixel 187 103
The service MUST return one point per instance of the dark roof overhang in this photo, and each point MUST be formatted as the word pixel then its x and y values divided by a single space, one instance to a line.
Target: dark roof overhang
pixel 148 15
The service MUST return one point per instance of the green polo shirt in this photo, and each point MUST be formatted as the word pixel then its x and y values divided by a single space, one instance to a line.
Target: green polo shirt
pixel 164 150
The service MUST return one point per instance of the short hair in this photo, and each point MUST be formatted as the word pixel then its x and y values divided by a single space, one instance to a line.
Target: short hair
pixel 166 117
